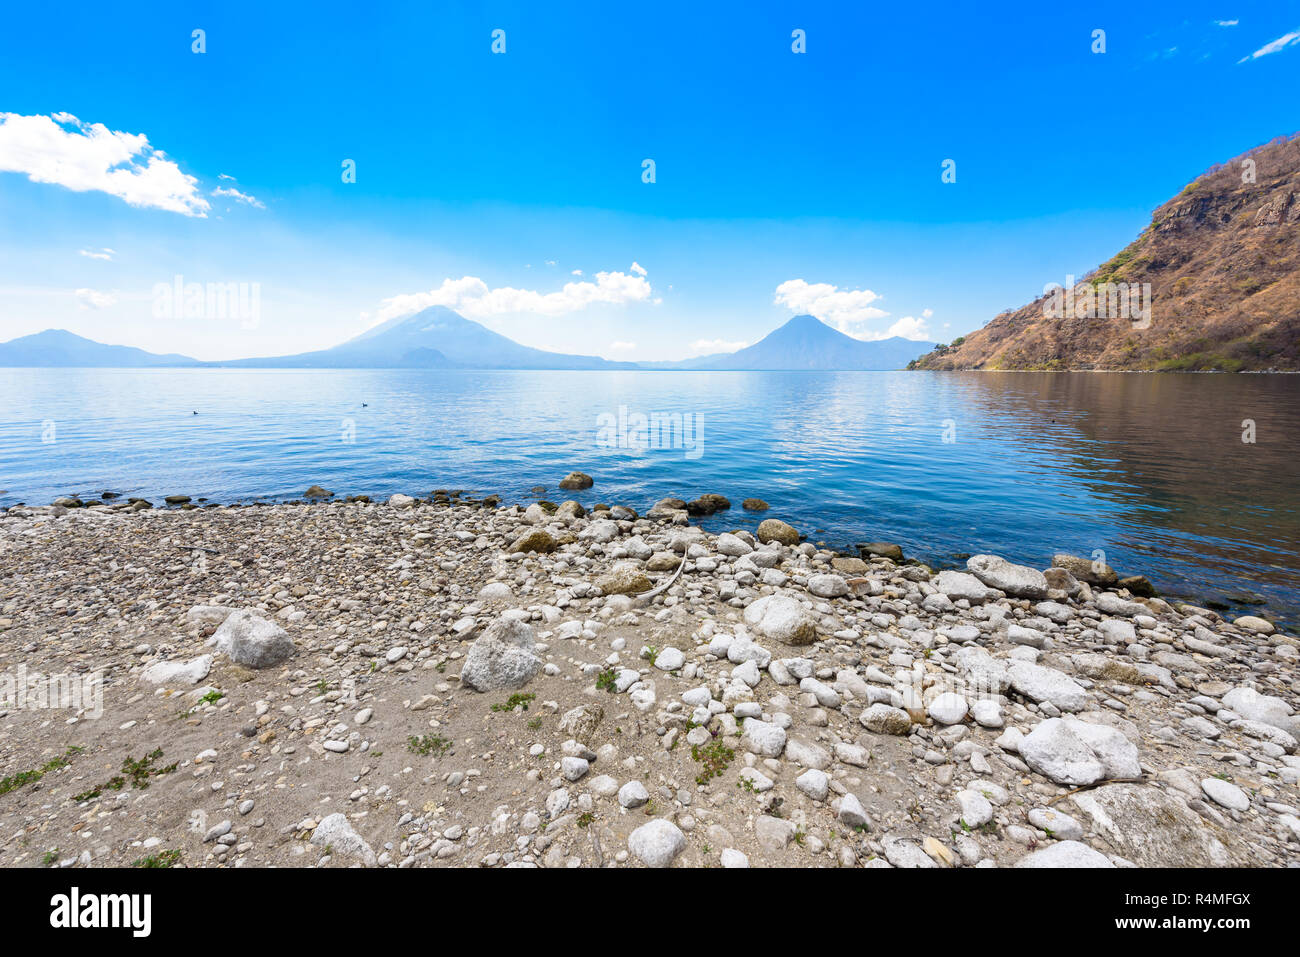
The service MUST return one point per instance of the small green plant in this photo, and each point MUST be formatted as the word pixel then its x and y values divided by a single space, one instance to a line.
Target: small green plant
pixel 165 859
pixel 212 697
pixel 50 857
pixel 137 773
pixel 607 680
pixel 516 700
pixel 799 836
pixel 428 744
pixel 23 778
pixel 651 653
pixel 322 687
pixel 716 758
pixel 585 818
pixel 534 724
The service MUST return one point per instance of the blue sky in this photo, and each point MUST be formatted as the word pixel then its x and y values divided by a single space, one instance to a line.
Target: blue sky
pixel 784 181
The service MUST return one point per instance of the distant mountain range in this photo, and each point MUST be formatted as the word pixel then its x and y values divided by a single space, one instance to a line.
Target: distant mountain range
pixel 57 347
pixel 438 338
pixel 1217 274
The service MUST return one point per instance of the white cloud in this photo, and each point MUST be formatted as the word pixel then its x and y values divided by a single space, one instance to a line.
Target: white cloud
pixel 638 269
pixel 94 299
pixel 576 272
pixel 1226 23
pixel 227 176
pixel 472 297
pixel 842 308
pixel 622 346
pixel 1281 43
pixel 909 327
pixel 62 150
pixel 239 197
pixel 707 347
pixel 105 254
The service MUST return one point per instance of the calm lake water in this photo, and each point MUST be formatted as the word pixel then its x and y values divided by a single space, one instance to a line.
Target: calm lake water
pixel 1151 469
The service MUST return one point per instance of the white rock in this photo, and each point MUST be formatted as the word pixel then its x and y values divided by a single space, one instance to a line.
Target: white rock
pixel 657 843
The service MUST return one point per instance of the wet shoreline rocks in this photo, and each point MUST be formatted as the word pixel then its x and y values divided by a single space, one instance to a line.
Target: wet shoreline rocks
pixel 430 682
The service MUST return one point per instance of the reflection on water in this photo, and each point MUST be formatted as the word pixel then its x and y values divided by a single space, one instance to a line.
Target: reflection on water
pixel 1151 469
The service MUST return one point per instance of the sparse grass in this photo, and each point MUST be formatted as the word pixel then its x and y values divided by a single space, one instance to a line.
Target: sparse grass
pixel 428 744
pixel 515 701
pixel 15 781
pixel 161 860
pixel 534 724
pixel 137 773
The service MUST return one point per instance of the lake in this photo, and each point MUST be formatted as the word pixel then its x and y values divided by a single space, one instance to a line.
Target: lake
pixel 1188 479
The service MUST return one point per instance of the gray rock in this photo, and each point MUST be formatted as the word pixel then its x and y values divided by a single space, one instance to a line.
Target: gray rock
pixel 633 794
pixel 1018 580
pixel 850 812
pixel 828 586
pixel 1226 794
pixel 1065 854
pixel 336 832
pixel 1151 827
pixel 501 658
pixel 657 843
pixel 1056 751
pixel 1039 683
pixel 781 618
pixel 1058 824
pixel 252 641
pixel 178 672
pixel 762 738
pixel 948 708
pixel 1266 709
pixel 959 585
pixel 884 719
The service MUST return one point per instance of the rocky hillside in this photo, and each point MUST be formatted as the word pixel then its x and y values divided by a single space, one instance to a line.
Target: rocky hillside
pixel 1223 263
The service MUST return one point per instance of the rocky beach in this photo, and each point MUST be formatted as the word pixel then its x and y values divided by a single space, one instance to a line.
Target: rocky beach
pixel 442 681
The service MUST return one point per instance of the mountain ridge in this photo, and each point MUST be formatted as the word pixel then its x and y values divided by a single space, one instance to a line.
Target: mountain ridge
pixel 1218 267
pixel 438 338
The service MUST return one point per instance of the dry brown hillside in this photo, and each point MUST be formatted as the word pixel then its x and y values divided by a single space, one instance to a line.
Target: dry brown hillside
pixel 1223 262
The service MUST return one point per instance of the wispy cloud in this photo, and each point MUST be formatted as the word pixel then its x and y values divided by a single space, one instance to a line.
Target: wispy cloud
pixel 1281 43
pixel 105 254
pixel 908 327
pixel 1226 23
pixel 472 297
pixel 62 150
pixel 239 197
pixel 94 299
